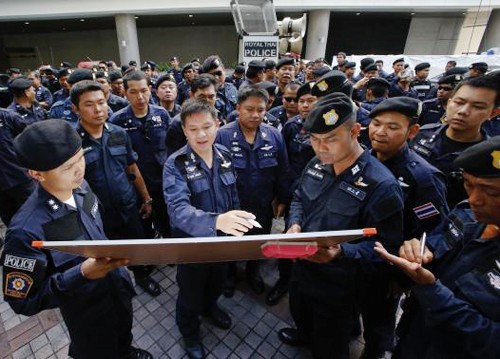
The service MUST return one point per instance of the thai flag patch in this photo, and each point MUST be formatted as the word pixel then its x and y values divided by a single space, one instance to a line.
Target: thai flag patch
pixel 425 211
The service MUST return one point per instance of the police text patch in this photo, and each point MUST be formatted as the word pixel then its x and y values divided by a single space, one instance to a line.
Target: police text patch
pixel 17 284
pixel 353 191
pixel 15 262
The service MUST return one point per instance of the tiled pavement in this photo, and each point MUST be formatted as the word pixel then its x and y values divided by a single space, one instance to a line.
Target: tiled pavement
pixel 252 335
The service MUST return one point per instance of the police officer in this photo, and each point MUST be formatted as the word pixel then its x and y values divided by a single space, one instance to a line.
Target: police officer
pixel 237 77
pixel 470 105
pixel 116 82
pixel 289 108
pixel 401 85
pixel 147 126
pixel 261 162
pixel 377 90
pixel 227 94
pixel 343 187
pixel 420 82
pixel 200 190
pixel 477 69
pixel 380 66
pixel 166 90
pixel 42 94
pixel 49 79
pixel 62 78
pixel 362 65
pixel 25 103
pixel 453 308
pixel 112 172
pixel 397 67
pixel 284 75
pixel 93 294
pixel 188 72
pixel 13 73
pixel 349 69
pixel 434 110
pixel 175 69
pixel 394 121
pixel 270 71
pixel 255 73
pixel 203 88
pixel 300 152
pixel 369 71
pixel 15 184
pixel 115 103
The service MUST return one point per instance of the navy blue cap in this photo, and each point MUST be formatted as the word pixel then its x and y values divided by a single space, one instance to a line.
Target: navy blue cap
pixel 481 66
pixel 13 70
pixel 115 75
pixel 451 79
pixel 422 66
pixel 210 63
pixel 370 67
pixel 256 64
pixel 320 71
pixel 63 72
pixel 329 113
pixel 46 145
pixel 333 81
pixel 349 65
pixel 80 75
pixel 401 59
pixel 146 66
pixel 481 160
pixel 269 86
pixel 239 69
pixel 20 84
pixel 365 62
pixel 374 81
pixel 305 89
pixel 165 77
pixel 285 61
pixel 410 107
pixel 188 66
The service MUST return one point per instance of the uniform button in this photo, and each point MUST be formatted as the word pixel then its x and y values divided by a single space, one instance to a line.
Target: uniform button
pixel 413 164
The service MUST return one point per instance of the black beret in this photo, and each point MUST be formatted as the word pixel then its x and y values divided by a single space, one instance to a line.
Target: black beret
pixel 20 84
pixel 269 86
pixel 115 75
pixel 256 64
pixel 456 71
pixel 80 75
pixel 132 63
pixel 370 67
pixel 188 66
pixel 422 66
pixel 239 69
pixel 349 65
pixel 285 61
pixel 165 77
pixel 481 160
pixel 210 63
pixel 153 64
pixel 102 75
pixel 305 89
pixel 13 70
pixel 481 66
pixel 410 107
pixel 270 64
pixel 329 113
pixel 451 79
pixel 47 69
pixel 401 59
pixel 333 81
pixel 320 71
pixel 378 81
pixel 146 66
pixel 365 62
pixel 63 72
pixel 66 64
pixel 46 145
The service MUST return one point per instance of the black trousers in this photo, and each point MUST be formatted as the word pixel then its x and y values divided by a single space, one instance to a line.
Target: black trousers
pixel 200 285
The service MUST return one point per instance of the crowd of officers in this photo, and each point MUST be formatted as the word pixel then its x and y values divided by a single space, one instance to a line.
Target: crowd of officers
pixel 109 153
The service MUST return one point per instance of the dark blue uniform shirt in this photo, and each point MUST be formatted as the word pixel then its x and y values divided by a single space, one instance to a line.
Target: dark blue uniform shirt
pixel 183 92
pixel 422 87
pixel 227 98
pixel 60 95
pixel 32 115
pixel 459 315
pixel 149 140
pixel 42 94
pixel 433 111
pixel 116 103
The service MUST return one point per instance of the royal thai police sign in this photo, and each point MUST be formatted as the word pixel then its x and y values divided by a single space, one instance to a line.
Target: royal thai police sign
pixel 259 48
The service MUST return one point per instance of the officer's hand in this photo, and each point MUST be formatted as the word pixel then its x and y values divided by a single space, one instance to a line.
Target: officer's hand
pixel 295 228
pixel 234 222
pixel 361 83
pixel 414 270
pixel 146 210
pixel 95 268
pixel 325 254
pixel 410 250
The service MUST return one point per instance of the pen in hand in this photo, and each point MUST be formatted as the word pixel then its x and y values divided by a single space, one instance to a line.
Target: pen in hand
pixel 422 244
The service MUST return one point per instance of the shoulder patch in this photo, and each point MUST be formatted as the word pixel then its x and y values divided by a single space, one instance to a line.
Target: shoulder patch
pixel 17 285
pixel 22 263
pixel 426 211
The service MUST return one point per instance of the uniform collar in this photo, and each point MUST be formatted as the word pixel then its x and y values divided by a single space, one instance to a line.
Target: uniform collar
pixel 53 204
pixel 399 157
pixel 261 137
pixel 85 135
pixel 352 173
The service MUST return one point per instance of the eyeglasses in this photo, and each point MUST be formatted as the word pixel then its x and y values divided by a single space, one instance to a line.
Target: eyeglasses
pixel 290 99
pixel 445 88
pixel 217 73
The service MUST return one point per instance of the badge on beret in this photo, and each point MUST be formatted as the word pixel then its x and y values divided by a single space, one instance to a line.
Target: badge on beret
pixel 494 280
pixel 496 159
pixel 331 117
pixel 322 86
pixel 18 284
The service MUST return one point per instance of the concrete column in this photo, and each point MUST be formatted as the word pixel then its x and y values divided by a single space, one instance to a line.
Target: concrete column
pixel 318 24
pixel 128 44
pixel 429 35
pixel 472 31
pixel 491 37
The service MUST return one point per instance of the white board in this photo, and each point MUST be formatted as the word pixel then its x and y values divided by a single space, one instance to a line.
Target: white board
pixel 195 250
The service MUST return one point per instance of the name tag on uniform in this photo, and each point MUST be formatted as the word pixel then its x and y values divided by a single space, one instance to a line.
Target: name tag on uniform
pixel 194 175
pixel 422 150
pixel 353 191
pixel 315 174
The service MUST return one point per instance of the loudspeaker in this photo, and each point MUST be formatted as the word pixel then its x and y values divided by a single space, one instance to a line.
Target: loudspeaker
pixel 289 26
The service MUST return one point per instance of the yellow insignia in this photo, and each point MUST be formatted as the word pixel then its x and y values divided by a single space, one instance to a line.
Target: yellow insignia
pixel 331 118
pixel 323 86
pixel 496 159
